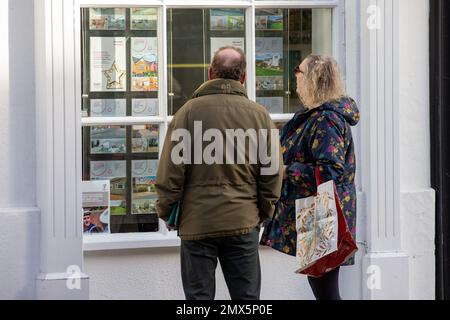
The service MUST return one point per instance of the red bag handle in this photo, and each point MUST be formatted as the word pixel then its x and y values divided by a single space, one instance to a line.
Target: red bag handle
pixel 317 173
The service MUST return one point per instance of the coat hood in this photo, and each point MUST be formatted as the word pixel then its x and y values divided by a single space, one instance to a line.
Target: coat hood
pixel 346 107
pixel 220 86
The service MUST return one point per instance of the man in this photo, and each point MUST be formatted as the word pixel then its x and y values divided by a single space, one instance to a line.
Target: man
pixel 88 225
pixel 223 201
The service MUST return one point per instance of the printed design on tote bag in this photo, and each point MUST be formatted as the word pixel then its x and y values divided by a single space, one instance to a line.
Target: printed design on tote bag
pixel 317 226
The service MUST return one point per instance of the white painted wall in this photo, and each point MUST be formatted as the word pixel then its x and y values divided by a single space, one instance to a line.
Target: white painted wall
pixel 17 167
pixel 19 252
pixel 418 230
pixel 155 274
pixel 417 198
pixel 19 227
pixel 414 95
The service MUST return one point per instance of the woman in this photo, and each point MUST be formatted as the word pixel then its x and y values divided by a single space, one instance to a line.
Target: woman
pixel 318 136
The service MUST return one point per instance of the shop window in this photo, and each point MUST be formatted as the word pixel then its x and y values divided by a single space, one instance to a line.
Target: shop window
pixel 120 79
pixel 121 84
pixel 127 157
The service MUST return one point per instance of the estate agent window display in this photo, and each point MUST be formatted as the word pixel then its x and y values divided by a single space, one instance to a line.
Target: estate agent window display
pixel 120 68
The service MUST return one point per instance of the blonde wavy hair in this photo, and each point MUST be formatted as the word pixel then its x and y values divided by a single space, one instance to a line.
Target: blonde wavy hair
pixel 322 81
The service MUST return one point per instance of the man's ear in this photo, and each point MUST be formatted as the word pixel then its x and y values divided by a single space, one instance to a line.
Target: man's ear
pixel 244 77
pixel 210 74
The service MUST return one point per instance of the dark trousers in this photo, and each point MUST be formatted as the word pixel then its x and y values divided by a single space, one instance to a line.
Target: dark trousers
pixel 326 287
pixel 238 257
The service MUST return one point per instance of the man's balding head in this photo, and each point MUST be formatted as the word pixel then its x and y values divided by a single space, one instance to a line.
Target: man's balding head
pixel 228 63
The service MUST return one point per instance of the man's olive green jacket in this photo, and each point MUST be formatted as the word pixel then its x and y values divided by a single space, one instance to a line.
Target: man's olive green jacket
pixel 218 199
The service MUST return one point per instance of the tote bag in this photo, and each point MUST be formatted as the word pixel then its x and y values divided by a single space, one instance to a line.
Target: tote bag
pixel 324 241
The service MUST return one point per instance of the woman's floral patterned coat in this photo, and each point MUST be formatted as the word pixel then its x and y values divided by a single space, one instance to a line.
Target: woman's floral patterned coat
pixel 319 137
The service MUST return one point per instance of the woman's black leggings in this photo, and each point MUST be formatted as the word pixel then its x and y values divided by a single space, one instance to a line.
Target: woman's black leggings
pixel 326 287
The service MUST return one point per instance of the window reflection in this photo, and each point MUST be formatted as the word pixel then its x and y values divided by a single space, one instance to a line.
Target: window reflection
pixel 284 37
pixel 194 35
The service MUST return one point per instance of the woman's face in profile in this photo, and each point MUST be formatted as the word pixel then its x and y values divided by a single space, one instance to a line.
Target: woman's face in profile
pixel 300 76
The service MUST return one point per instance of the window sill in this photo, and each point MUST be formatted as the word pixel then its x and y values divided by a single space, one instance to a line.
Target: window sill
pixel 118 241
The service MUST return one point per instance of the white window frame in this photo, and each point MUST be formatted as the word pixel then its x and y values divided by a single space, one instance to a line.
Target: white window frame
pixel 165 238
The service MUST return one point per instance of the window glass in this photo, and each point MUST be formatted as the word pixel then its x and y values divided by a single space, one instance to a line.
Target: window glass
pixel 284 37
pixel 120 79
pixel 120 62
pixel 125 156
pixel 194 35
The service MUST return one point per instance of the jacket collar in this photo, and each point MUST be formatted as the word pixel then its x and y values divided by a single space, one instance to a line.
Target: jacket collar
pixel 220 86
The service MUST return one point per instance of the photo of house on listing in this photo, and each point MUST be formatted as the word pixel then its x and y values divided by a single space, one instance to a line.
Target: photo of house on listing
pixel 144 67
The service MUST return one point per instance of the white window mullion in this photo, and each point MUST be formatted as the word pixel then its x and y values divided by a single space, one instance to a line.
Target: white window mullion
pixel 117 3
pixel 163 76
pixel 338 37
pixel 285 117
pixel 122 121
pixel 250 49
pixel 206 4
pixel 297 4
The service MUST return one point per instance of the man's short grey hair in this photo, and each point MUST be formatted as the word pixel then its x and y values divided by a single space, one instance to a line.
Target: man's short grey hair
pixel 229 68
